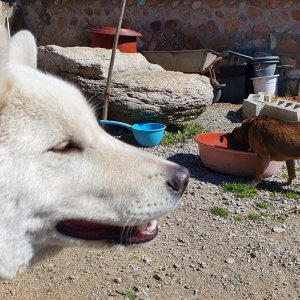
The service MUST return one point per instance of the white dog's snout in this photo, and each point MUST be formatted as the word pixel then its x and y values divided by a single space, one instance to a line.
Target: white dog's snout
pixel 178 180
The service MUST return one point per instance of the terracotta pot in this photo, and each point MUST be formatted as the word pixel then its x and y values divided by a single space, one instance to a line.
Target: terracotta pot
pixel 217 157
pixel 103 37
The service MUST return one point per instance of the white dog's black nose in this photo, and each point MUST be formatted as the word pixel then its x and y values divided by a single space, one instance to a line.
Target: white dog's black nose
pixel 179 180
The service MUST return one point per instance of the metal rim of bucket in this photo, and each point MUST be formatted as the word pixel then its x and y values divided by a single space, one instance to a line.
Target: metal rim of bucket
pixel 264 58
pixel 270 76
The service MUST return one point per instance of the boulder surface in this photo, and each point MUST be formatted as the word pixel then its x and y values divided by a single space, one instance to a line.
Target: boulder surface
pixel 139 91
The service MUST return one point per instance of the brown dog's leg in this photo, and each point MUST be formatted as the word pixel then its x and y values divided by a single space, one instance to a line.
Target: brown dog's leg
pixel 262 163
pixel 290 165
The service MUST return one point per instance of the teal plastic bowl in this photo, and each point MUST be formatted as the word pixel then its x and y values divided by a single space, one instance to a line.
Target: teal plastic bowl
pixel 145 134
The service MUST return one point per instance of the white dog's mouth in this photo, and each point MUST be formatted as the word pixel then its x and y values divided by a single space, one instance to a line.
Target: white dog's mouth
pixel 124 235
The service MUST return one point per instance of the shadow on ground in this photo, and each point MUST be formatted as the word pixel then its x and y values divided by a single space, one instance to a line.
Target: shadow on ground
pixel 200 172
pixel 235 116
pixel 276 187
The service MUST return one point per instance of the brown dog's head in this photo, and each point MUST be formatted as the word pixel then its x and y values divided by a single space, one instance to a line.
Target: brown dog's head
pixel 238 138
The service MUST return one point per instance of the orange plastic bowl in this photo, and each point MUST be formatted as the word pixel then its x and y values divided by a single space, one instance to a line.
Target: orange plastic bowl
pixel 217 157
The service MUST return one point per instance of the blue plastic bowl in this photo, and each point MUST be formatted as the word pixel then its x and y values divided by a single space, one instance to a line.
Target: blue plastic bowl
pixel 145 134
pixel 148 134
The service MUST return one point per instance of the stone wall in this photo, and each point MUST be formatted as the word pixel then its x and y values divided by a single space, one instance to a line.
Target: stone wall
pixel 245 26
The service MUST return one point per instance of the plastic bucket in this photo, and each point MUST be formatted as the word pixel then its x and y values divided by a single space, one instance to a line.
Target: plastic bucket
pixel 264 68
pixel 265 84
pixel 237 81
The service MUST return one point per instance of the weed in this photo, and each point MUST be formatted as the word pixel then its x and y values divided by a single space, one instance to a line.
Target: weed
pixel 287 94
pixel 297 169
pixel 296 185
pixel 269 298
pixel 239 218
pixel 236 279
pixel 284 175
pixel 264 214
pixel 254 217
pixel 181 133
pixel 219 211
pixel 290 195
pixel 262 204
pixel 279 218
pixel 127 294
pixel 240 189
pixel 273 194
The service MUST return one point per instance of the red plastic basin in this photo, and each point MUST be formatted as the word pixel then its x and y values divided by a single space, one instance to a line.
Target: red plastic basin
pixel 217 157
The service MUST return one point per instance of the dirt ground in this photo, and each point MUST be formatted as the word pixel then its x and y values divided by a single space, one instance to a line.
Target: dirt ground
pixel 197 255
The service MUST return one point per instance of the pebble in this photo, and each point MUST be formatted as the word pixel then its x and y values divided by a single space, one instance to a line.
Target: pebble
pixel 278 229
pixel 195 291
pixel 118 280
pixel 230 261
pixel 157 277
pixel 147 260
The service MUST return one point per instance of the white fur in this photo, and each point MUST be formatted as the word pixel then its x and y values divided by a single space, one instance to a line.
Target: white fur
pixel 108 181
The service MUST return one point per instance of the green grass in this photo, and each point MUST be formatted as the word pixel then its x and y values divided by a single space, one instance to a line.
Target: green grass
pixel 236 279
pixel 181 133
pixel 279 218
pixel 284 175
pixel 290 195
pixel 254 217
pixel 262 204
pixel 297 169
pixel 239 218
pixel 240 189
pixel 127 294
pixel 219 211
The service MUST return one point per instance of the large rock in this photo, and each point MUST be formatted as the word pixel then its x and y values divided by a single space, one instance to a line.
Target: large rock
pixel 139 92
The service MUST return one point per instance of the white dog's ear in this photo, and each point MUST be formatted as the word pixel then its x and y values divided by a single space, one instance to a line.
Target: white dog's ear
pixel 3 46
pixel 23 49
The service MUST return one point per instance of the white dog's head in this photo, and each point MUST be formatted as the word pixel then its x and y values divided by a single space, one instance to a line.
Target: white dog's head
pixel 63 180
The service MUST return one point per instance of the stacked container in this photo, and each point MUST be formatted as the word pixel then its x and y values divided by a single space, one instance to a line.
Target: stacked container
pixel 264 77
pixel 235 75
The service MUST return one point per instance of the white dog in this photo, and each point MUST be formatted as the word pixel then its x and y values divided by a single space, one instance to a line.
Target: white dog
pixel 63 180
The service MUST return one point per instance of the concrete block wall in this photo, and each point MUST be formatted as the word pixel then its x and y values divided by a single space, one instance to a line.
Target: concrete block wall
pixel 253 105
pixel 281 109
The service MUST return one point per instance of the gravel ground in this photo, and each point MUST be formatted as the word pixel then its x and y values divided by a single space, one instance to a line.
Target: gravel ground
pixel 197 255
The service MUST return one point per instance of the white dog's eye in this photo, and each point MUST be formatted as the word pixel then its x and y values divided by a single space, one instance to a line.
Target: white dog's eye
pixel 66 147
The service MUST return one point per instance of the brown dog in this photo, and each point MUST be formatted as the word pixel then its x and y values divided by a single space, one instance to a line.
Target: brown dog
pixel 270 139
